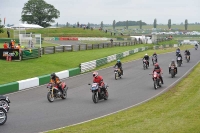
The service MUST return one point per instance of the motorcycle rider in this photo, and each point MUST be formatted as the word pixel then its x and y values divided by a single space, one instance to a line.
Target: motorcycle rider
pixel 146 57
pixel 56 80
pixel 179 55
pixel 178 51
pixel 119 65
pixel 159 71
pixel 196 45
pixel 154 56
pixel 173 63
pixel 187 52
pixel 99 79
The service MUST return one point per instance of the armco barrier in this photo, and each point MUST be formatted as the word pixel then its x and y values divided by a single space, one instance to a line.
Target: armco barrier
pixel 101 61
pixel 44 79
pixel 126 53
pixel 74 71
pixel 119 56
pixel 8 88
pixel 27 83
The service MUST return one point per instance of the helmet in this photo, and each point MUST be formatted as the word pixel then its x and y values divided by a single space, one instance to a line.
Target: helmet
pixel 95 74
pixel 53 75
pixel 156 65
pixel 154 52
pixel 173 60
pixel 118 60
pixel 146 54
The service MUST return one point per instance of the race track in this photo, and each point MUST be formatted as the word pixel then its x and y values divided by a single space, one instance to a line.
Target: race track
pixel 31 112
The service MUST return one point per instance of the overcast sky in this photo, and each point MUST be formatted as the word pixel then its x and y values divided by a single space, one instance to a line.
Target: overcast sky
pixel 95 11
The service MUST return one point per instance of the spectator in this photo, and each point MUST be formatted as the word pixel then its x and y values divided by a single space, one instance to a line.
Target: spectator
pixel 111 33
pixel 8 33
pixel 5 45
pixel 18 46
pixel 111 41
pixel 114 33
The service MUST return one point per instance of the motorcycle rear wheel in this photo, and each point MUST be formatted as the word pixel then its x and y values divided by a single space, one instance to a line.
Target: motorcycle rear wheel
pixel 3 116
pixel 64 96
pixel 49 97
pixel 106 97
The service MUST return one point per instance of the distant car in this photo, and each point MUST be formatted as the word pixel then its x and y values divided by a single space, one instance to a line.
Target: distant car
pixel 5 102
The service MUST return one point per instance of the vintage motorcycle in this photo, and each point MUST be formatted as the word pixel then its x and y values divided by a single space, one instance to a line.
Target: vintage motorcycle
pixel 156 80
pixel 3 115
pixel 98 93
pixel 54 92
pixel 145 66
pixel 117 73
pixel 172 71
pixel 5 102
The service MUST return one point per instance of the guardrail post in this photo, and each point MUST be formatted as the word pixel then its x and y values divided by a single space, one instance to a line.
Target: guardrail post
pixel 63 48
pixel 79 47
pixel 72 48
pixel 86 46
pixel 54 49
pixel 43 50
pixel 103 45
pixel 92 46
pixel 98 46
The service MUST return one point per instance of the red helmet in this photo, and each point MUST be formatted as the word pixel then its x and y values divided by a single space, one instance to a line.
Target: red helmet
pixel 95 74
pixel 156 65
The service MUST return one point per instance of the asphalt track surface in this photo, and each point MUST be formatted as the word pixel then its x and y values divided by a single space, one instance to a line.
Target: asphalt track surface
pixel 31 112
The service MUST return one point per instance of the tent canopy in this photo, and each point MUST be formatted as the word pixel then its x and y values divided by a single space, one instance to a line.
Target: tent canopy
pixel 26 26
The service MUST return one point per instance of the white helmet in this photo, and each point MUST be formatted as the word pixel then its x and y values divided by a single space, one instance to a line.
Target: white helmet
pixel 95 74
pixel 146 54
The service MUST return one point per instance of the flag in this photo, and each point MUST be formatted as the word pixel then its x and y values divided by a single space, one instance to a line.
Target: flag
pixel 4 21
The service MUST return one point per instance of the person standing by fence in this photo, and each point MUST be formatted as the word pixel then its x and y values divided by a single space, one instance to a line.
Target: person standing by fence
pixel 5 45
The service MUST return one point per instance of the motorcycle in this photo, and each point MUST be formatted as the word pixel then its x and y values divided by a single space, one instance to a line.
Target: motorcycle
pixel 117 73
pixel 98 93
pixel 172 71
pixel 187 57
pixel 145 64
pixel 54 92
pixel 3 115
pixel 156 80
pixel 179 62
pixel 196 47
pixel 154 60
pixel 5 102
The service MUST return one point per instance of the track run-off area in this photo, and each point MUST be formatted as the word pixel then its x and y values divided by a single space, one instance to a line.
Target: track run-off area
pixel 31 112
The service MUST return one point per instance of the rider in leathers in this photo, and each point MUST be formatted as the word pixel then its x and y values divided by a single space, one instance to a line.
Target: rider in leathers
pixel 55 80
pixel 119 65
pixel 179 55
pixel 154 56
pixel 99 79
pixel 146 57
pixel 187 52
pixel 159 71
pixel 173 63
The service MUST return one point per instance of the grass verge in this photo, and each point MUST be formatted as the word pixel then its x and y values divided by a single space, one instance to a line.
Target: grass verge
pixel 176 111
pixel 14 71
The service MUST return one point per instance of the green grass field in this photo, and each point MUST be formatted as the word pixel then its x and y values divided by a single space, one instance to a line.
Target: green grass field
pixel 176 111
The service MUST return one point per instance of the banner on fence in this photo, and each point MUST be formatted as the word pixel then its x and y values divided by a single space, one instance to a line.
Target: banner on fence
pixel 14 53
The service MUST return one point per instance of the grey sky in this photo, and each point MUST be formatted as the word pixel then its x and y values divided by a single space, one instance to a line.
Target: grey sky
pixel 95 11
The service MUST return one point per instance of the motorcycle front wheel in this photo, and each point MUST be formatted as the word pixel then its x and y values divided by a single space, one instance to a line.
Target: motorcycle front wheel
pixel 155 84
pixel 115 76
pixel 5 104
pixel 95 97
pixel 3 116
pixel 172 73
pixel 50 97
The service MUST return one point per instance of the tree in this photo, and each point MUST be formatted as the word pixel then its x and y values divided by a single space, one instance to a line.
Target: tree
pixel 140 24
pixel 77 24
pixel 169 23
pixel 113 24
pixel 155 23
pixel 102 24
pixel 186 24
pixel 39 12
pixel 1 27
pixel 126 24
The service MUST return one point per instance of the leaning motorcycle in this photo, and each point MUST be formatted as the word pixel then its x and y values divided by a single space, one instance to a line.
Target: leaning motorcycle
pixel 54 92
pixel 98 93
pixel 156 80
pixel 3 115
pixel 196 47
pixel 117 73
pixel 145 64
pixel 179 62
pixel 172 71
